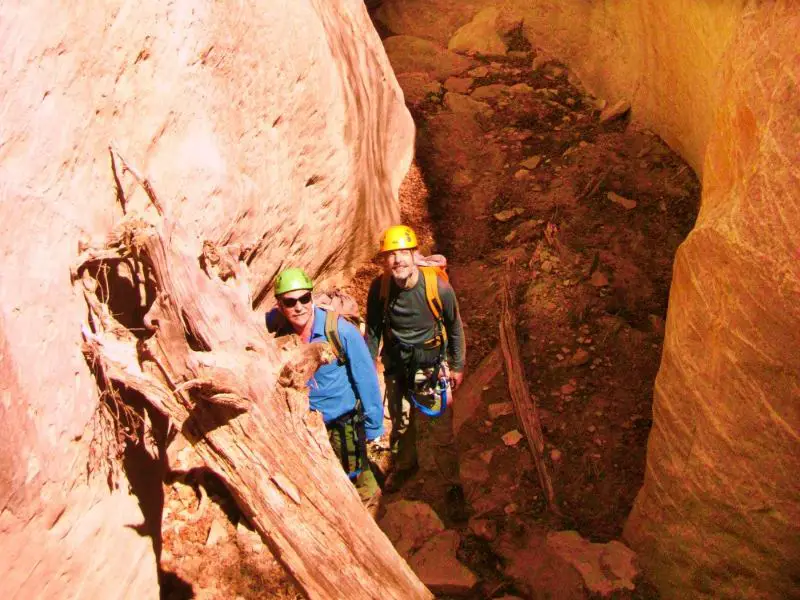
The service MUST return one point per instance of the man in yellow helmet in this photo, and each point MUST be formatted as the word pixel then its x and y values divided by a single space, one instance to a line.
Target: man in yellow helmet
pixel 414 311
pixel 345 391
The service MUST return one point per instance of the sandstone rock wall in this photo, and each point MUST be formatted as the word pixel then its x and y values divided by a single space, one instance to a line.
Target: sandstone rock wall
pixel 661 56
pixel 274 125
pixel 719 513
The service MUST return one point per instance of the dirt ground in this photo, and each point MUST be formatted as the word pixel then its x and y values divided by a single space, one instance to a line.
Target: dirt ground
pixel 584 218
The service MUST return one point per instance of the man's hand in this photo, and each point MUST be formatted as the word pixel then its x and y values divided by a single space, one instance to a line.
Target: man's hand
pixel 456 377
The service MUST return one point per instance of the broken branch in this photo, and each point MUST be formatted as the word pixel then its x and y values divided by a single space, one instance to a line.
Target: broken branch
pixel 524 404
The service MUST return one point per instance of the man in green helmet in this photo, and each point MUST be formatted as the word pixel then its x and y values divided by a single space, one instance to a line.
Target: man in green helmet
pixel 345 391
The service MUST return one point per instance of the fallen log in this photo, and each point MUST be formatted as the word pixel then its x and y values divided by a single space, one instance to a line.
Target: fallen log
pixel 524 404
pixel 202 357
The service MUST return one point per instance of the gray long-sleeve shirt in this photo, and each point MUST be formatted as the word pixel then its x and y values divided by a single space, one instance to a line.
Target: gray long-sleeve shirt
pixel 410 319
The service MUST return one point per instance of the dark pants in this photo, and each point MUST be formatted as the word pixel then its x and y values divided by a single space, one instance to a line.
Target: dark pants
pixel 344 442
pixel 403 439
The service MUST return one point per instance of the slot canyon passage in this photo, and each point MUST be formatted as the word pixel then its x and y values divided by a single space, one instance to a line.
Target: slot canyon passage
pixel 621 179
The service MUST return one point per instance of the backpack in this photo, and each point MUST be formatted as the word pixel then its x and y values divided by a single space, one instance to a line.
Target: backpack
pixel 432 268
pixel 335 303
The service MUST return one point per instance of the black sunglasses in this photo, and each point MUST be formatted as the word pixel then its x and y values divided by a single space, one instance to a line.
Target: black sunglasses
pixel 290 302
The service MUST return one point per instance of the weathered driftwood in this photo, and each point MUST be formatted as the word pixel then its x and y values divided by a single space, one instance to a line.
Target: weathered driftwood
pixel 524 404
pixel 205 361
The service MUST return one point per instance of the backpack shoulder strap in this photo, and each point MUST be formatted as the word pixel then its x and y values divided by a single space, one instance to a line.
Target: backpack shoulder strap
pixel 431 275
pixel 332 334
pixel 432 291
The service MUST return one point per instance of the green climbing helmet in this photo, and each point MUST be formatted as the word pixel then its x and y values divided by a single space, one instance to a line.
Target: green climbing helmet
pixel 292 279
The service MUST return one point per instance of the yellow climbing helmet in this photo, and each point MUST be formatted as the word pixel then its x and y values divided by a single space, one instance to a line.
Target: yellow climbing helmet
pixel 398 237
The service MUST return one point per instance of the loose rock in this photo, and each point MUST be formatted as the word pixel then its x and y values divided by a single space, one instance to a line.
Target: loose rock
pixel 217 533
pixel 512 438
pixel 598 279
pixel 409 54
pixel 489 91
pixel 621 200
pixel 464 105
pixel 506 215
pixel 539 61
pixel 520 88
pixel 614 111
pixel 581 357
pixel 479 72
pixel 501 409
pixel 532 162
pixel 568 388
pixel 418 87
pixel 460 85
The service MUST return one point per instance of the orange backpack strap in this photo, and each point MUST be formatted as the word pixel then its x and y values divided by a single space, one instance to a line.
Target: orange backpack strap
pixel 431 275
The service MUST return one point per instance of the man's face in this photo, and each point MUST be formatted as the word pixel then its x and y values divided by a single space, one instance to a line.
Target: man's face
pixel 400 263
pixel 296 307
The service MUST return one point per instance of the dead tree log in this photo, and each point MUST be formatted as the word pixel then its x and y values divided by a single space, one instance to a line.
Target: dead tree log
pixel 204 359
pixel 524 404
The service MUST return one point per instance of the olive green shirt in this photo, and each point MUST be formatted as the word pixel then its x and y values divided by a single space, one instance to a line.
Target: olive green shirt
pixel 410 320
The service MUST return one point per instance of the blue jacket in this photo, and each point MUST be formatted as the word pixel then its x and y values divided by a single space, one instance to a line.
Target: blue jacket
pixel 333 387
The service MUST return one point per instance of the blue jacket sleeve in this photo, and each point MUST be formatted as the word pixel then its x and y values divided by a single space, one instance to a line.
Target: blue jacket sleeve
pixel 364 377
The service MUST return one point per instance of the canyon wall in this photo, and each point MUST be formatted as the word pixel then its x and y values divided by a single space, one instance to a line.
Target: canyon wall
pixel 719 513
pixel 275 126
pixel 663 57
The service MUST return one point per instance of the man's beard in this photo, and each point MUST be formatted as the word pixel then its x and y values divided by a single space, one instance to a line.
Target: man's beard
pixel 403 281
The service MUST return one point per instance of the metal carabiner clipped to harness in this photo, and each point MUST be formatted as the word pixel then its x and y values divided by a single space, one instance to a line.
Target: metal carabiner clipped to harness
pixel 439 390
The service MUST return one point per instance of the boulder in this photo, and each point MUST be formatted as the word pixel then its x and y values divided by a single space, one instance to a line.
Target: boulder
pixel 489 91
pixel 537 569
pixel 479 35
pixel 464 105
pixel 412 54
pixel 418 87
pixel 236 117
pixel 439 569
pixel 409 524
pixel 606 569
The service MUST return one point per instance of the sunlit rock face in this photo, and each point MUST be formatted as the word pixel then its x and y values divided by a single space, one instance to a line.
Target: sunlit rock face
pixel 275 125
pixel 661 56
pixel 718 515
